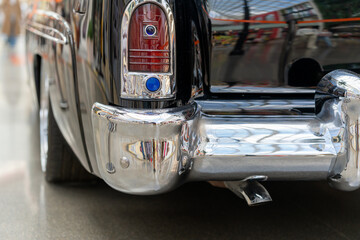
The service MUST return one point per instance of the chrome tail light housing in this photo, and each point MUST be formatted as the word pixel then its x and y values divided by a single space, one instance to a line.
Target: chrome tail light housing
pixel 148 51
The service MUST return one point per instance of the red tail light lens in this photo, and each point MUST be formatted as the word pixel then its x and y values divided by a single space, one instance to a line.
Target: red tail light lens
pixel 149 49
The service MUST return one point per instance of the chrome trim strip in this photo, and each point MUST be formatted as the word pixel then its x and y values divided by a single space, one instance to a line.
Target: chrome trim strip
pixel 132 83
pixel 150 63
pixel 47 32
pixel 49 25
pixel 150 57
pixel 150 50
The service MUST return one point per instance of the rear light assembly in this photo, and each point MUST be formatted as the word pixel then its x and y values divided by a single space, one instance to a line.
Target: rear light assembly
pixel 148 51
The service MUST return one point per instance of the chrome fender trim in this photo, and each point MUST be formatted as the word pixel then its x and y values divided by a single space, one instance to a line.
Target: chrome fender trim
pixel 49 25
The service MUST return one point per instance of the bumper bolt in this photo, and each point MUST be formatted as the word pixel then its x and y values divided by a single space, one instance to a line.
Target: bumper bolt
pixel 336 139
pixel 110 168
pixel 124 162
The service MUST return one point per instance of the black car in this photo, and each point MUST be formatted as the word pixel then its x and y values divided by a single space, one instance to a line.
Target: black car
pixel 150 94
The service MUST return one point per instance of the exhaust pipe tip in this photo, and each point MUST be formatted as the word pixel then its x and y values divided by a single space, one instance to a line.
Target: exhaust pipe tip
pixel 253 192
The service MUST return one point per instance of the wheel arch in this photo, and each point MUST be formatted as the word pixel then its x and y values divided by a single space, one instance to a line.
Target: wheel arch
pixel 36 72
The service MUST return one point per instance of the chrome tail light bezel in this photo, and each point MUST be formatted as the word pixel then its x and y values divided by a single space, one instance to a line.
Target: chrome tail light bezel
pixel 133 84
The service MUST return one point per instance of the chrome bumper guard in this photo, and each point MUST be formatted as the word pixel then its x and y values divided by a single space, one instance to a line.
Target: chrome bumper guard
pixel 154 151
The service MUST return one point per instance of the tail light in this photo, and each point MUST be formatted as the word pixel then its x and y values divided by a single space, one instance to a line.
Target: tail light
pixel 148 49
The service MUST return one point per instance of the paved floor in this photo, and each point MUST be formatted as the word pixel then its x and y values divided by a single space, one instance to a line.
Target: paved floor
pixel 32 209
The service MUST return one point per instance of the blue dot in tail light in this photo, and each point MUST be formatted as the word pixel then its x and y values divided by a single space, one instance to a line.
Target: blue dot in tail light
pixel 150 30
pixel 153 84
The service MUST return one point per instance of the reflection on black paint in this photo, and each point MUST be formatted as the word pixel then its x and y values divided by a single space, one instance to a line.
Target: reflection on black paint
pixel 264 58
pixel 239 46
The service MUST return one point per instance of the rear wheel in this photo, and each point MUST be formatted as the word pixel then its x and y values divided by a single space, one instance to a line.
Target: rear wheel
pixel 58 161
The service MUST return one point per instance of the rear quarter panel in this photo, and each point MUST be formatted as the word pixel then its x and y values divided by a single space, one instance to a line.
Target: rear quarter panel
pixel 49 35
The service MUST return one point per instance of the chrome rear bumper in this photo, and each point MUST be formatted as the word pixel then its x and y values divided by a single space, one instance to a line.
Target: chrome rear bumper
pixel 149 152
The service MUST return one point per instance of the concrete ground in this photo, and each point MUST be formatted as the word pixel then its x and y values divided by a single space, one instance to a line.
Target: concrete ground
pixel 30 208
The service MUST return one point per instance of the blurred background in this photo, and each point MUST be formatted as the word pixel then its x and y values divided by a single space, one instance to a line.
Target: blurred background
pixel 12 33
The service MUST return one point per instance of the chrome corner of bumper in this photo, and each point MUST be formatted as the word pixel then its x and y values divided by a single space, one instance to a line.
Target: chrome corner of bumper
pixel 153 151
pixel 338 106
pixel 144 152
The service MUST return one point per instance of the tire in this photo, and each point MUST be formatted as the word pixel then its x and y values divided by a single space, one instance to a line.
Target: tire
pixel 58 161
pixel 62 165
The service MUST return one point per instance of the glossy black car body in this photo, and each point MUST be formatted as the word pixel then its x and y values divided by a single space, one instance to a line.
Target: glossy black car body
pixel 229 51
